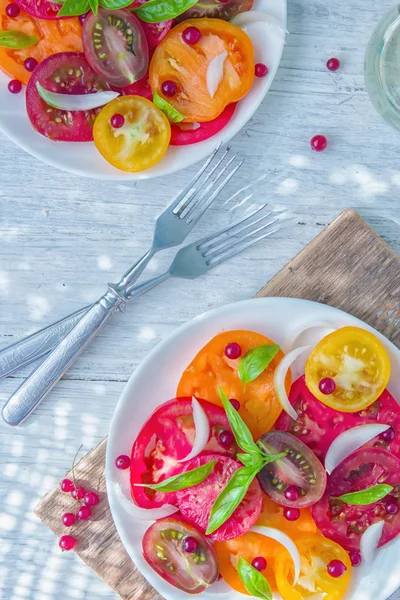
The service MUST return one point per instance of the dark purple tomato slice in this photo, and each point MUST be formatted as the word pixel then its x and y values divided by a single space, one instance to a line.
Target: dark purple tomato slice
pixel 167 437
pixel 183 134
pixel 64 73
pixel 195 503
pixel 318 425
pixel 344 523
pixel 216 9
pixel 42 9
pixel 164 546
pixel 115 46
pixel 299 469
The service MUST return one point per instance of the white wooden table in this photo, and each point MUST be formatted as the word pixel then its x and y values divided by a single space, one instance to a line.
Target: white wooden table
pixel 62 239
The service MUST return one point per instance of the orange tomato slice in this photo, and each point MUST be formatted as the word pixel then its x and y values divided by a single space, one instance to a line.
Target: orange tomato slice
pixel 210 369
pixel 61 35
pixel 272 516
pixel 187 65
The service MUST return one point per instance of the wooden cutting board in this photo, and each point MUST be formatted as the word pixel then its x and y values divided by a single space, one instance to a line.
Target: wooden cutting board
pixel 347 266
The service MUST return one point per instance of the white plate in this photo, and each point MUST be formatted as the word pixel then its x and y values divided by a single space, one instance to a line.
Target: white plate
pixel 84 159
pixel 155 381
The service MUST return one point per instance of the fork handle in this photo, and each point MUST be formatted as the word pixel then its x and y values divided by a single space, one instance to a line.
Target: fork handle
pixel 33 390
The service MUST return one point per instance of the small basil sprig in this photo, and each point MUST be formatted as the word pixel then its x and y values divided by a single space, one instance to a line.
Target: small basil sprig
pixel 255 361
pixel 183 480
pixel 254 581
pixel 156 11
pixel 16 40
pixel 242 433
pixel 368 496
pixel 173 115
pixel 74 8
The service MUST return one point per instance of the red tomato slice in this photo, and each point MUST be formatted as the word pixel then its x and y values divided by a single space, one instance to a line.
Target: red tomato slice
pixel 184 133
pixel 65 73
pixel 318 425
pixel 139 88
pixel 166 437
pixel 42 9
pixel 155 32
pixel 344 523
pixel 195 503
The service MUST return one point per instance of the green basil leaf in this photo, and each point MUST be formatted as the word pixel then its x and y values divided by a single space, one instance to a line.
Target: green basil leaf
pixel 183 480
pixel 255 361
pixel 114 4
pixel 243 436
pixel 254 581
pixel 16 40
pixel 73 8
pixel 251 460
pixel 94 6
pixel 368 496
pixel 230 497
pixel 173 115
pixel 156 11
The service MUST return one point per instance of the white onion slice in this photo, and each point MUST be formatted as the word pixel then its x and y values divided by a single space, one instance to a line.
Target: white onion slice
pixel 202 430
pixel 75 101
pixel 286 541
pixel 143 514
pixel 319 329
pixel 280 377
pixel 215 72
pixel 349 441
pixel 370 540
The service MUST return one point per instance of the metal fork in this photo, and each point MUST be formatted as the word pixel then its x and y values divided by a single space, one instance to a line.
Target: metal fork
pixel 190 262
pixel 171 229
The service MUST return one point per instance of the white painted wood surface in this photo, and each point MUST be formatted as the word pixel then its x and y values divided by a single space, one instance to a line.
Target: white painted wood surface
pixel 62 239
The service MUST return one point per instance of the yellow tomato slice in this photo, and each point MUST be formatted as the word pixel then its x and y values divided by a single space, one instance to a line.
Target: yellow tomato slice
pixel 316 552
pixel 211 369
pixel 142 140
pixel 357 362
pixel 272 516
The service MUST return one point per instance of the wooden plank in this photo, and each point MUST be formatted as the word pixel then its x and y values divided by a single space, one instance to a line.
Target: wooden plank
pixel 347 266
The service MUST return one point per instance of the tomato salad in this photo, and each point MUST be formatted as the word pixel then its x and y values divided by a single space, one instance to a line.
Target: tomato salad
pixel 134 77
pixel 272 485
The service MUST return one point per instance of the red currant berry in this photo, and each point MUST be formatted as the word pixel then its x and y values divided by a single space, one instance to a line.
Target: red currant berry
pixel 336 568
pixel 67 485
pixel 91 499
pixel 189 544
pixel 291 514
pixel 355 557
pixel 260 70
pixel 319 143
pixel 78 492
pixel 191 35
pixel 68 519
pixel 259 563
pixel 117 121
pixel 122 462
pixel 388 435
pixel 14 86
pixel 84 513
pixel 30 64
pixel 333 64
pixel 235 403
pixel 67 542
pixel 226 439
pixel 391 506
pixel 233 351
pixel 292 493
pixel 327 386
pixel 169 88
pixel 12 10
pixel 82 18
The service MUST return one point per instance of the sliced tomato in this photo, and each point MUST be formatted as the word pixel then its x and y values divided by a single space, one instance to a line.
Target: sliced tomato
pixel 163 549
pixel 63 35
pixel 357 362
pixel 195 503
pixel 300 468
pixel 42 9
pixel 316 552
pixel 142 140
pixel 187 65
pixel 215 9
pixel 115 46
pixel 346 523
pixel 211 369
pixel 248 546
pixel 65 73
pixel 192 133
pixel 167 437
pixel 318 425
pixel 272 515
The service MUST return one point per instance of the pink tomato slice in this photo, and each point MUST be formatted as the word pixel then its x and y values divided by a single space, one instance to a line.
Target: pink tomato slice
pixel 42 9
pixel 64 73
pixel 195 503
pixel 183 134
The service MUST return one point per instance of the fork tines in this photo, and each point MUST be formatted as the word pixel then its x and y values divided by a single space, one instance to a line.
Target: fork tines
pixel 237 237
pixel 202 190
